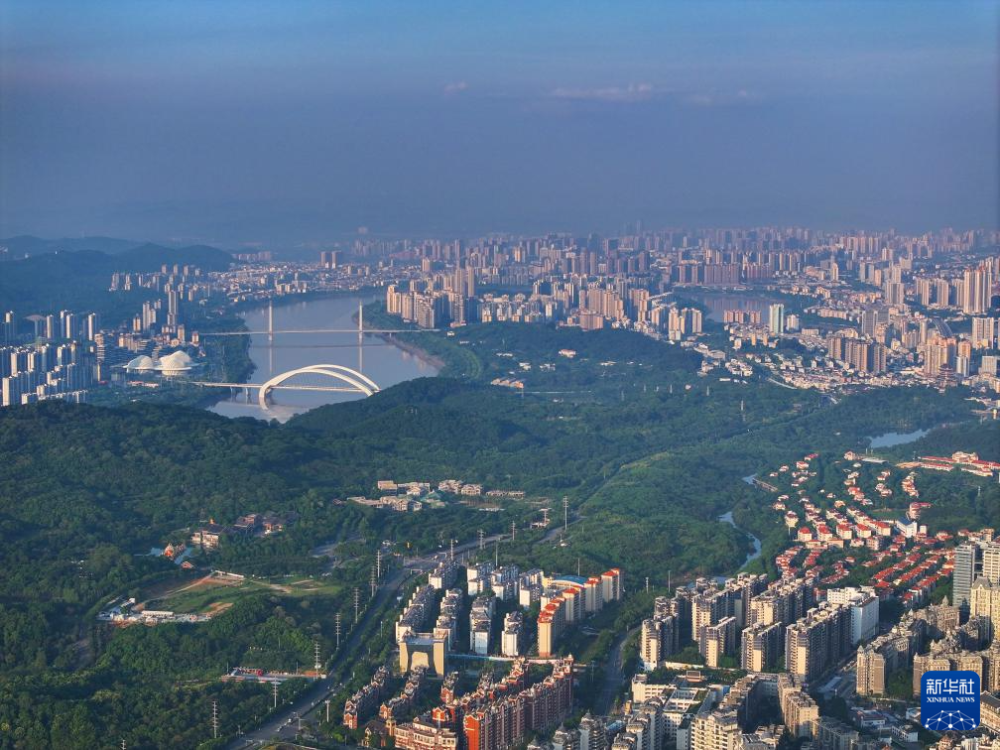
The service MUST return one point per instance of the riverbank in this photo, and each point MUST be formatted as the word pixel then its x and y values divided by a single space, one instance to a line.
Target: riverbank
pixel 382 319
pixel 442 352
pixel 422 354
pixel 757 544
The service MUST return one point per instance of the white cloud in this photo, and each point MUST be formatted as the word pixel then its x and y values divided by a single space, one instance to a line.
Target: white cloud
pixel 721 98
pixel 456 87
pixel 634 92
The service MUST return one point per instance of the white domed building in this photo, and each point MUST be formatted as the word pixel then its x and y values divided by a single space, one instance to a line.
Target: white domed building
pixel 142 363
pixel 174 364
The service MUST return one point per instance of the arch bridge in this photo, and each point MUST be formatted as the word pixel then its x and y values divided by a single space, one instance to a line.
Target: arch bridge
pixel 351 381
pixel 356 382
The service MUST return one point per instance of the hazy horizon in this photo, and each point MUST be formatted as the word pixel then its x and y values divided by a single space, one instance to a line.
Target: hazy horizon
pixel 291 123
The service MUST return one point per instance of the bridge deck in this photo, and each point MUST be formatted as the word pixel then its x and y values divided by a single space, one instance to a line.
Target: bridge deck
pixel 252 386
pixel 319 330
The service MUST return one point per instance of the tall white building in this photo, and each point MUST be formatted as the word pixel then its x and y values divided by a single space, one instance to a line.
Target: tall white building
pixel 985 603
pixel 976 286
pixel 776 319
pixel 864 610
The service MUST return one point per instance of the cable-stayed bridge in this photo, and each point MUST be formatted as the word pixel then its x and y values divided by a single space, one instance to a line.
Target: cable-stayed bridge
pixel 360 330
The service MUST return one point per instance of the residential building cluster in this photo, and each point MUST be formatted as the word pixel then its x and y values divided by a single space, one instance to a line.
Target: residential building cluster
pixel 426 632
pixel 425 640
pixel 402 704
pixel 590 734
pixel 563 600
pixel 965 648
pixel 259 277
pixel 209 536
pixel 967 462
pixel 783 603
pixel 918 562
pixel 44 371
pixel 710 616
pixel 45 356
pixel 496 715
pixel 363 703
pixel 758 626
pixel 890 653
pixel 976 579
pixel 818 641
pixel 506 582
pixel 689 713
pixel 176 287
pixel 871 309
pixel 406 497
pixel 566 600
pixel 677 703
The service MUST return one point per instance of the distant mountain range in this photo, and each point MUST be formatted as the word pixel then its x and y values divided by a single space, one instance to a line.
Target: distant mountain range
pixel 125 255
pixel 150 257
pixel 57 275
pixel 27 245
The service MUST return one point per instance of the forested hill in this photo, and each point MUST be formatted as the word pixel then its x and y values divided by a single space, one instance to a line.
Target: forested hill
pixel 79 477
pixel 79 281
pixel 86 491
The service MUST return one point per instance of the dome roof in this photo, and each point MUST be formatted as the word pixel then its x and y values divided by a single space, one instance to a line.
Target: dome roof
pixel 140 363
pixel 179 360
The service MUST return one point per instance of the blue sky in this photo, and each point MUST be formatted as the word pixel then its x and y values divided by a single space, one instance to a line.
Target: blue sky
pixel 289 123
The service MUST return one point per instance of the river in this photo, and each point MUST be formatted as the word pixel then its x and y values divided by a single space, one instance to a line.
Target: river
pixel 382 362
pixel 728 518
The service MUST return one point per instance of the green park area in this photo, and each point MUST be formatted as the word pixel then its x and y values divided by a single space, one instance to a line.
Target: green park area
pixel 214 593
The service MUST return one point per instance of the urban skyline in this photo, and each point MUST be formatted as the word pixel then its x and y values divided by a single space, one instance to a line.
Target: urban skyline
pixel 445 376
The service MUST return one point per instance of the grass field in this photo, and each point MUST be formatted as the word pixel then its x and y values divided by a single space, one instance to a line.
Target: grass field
pixel 214 594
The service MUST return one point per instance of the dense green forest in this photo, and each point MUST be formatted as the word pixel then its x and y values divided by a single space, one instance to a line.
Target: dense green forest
pixel 648 452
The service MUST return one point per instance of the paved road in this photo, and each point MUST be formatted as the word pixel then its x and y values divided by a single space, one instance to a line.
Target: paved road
pixel 613 674
pixel 556 532
pixel 283 725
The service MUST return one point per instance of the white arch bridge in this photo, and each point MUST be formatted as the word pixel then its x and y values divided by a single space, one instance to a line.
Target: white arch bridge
pixel 352 380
